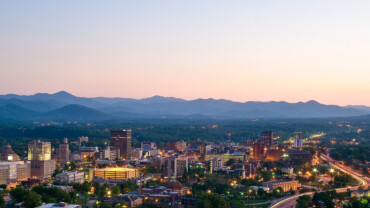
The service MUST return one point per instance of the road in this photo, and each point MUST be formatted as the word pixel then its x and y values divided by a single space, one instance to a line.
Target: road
pixel 290 202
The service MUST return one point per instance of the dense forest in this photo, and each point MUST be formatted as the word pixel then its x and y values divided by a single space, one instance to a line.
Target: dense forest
pixel 162 131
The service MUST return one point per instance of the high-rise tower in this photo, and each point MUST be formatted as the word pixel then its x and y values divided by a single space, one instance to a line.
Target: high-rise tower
pixel 298 141
pixel 267 138
pixel 121 139
pixel 64 152
pixel 39 153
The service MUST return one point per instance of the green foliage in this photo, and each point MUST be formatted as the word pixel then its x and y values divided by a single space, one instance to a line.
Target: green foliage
pixel 213 201
pixel 343 179
pixel 81 188
pixel 350 152
pixel 31 200
pixel 153 183
pixel 104 205
pixel 278 192
pixel 230 161
pixel 304 201
pixel 116 190
pixel 57 171
pixel 2 202
pixel 128 186
pixel 18 193
pixel 325 197
pixel 266 175
pixel 52 194
pixel 250 182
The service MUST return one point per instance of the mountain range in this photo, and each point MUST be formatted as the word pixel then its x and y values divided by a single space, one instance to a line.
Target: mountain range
pixel 65 106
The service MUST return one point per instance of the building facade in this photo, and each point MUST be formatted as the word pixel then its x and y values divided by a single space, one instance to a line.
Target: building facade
pixel 175 166
pixel 291 185
pixel 64 152
pixel 39 153
pixel 8 154
pixel 70 177
pixel 267 138
pixel 15 171
pixel 298 140
pixel 121 139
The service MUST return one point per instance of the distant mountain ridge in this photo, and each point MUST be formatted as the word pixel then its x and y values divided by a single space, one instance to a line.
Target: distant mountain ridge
pixel 65 106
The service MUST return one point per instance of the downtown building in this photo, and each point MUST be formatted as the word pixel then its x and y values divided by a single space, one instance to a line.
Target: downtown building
pixel 288 185
pixel 121 139
pixel 267 138
pixel 107 154
pixel 70 177
pixel 39 153
pixel 64 152
pixel 298 140
pixel 175 166
pixel 8 154
pixel 14 171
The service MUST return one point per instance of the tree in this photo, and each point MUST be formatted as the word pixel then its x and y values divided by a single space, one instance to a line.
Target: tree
pixel 31 200
pixel 18 193
pixel 261 192
pixel 217 201
pixel 104 205
pixel 326 197
pixel 230 161
pixel 2 202
pixel 57 171
pixel 116 190
pixel 278 192
pixel 266 175
pixel 304 201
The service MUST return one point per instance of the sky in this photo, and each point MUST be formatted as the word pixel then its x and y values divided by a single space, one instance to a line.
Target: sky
pixel 247 50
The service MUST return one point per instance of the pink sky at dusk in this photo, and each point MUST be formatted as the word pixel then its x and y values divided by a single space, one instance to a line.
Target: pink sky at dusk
pixel 238 50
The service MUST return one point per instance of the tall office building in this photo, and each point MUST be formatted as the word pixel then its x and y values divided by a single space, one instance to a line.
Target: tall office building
pixel 267 138
pixel 258 149
pixel 121 139
pixel 39 153
pixel 64 152
pixel 205 149
pixel 298 140
pixel 175 166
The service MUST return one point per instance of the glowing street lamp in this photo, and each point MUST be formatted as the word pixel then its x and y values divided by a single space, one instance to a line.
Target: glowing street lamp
pixel 314 170
pixel 331 170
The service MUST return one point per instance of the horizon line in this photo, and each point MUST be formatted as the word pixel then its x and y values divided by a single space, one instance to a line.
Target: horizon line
pixel 63 91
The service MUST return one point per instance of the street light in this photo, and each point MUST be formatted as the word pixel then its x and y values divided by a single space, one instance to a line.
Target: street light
pixel 332 170
pixel 314 170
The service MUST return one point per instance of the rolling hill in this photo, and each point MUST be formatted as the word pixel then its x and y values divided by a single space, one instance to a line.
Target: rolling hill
pixel 65 106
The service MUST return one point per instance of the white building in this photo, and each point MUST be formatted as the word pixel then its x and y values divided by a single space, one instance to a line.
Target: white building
pixel 70 177
pixel 298 140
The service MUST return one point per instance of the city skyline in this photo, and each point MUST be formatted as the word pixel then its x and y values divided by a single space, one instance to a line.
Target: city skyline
pixel 240 50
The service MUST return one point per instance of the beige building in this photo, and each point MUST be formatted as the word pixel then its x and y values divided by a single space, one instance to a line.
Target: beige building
pixel 11 172
pixel 116 173
pixel 292 185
